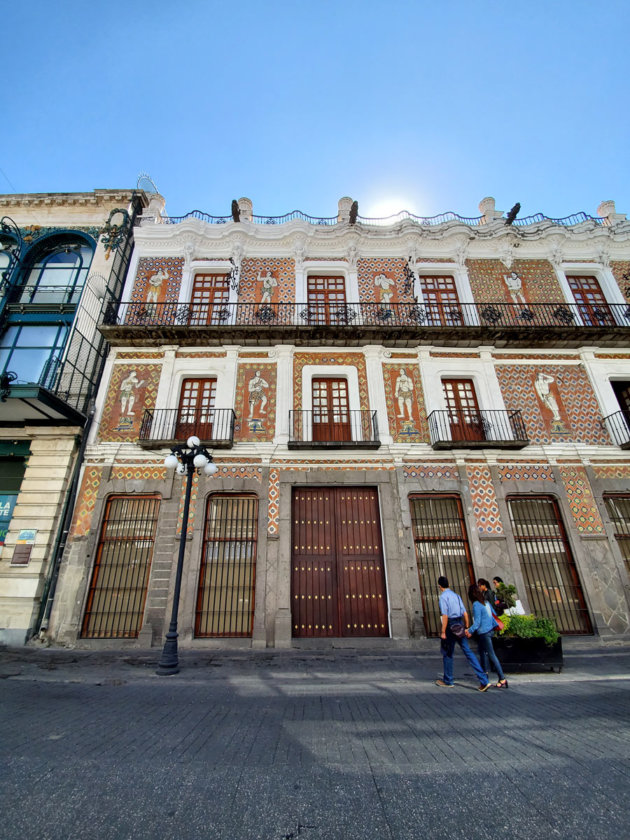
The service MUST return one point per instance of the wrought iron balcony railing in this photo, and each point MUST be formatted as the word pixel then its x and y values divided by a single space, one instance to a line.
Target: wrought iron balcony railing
pixel 618 427
pixel 477 429
pixel 333 429
pixel 161 426
pixel 352 316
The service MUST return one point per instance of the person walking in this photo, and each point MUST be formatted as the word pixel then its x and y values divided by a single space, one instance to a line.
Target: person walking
pixel 454 620
pixel 483 625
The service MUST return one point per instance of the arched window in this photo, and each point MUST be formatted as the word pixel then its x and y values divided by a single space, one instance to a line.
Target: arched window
pixel 56 271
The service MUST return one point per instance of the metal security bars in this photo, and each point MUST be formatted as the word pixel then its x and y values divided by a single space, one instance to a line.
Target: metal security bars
pixel 115 603
pixel 333 429
pixel 551 579
pixel 439 533
pixel 618 508
pixel 213 426
pixel 225 599
pixel 477 429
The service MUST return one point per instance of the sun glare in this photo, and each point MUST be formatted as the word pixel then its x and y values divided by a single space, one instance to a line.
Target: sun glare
pixel 387 207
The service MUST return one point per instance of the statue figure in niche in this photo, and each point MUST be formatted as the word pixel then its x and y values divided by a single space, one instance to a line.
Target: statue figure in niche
pixel 385 284
pixel 257 394
pixel 404 393
pixel 269 283
pixel 127 393
pixel 155 284
pixel 543 389
pixel 515 287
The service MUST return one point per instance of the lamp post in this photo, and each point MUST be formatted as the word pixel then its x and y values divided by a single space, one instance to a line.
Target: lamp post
pixel 187 460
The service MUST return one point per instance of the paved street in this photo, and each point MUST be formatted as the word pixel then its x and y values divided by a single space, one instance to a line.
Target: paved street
pixel 311 744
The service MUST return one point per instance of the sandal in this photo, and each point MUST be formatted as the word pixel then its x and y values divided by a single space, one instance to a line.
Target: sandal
pixel 502 684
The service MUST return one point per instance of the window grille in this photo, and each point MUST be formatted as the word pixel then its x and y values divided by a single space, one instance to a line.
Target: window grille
pixel 225 600
pixel 618 508
pixel 118 589
pixel 551 578
pixel 439 533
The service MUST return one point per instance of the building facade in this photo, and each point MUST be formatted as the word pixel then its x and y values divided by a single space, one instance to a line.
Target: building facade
pixel 385 403
pixel 63 259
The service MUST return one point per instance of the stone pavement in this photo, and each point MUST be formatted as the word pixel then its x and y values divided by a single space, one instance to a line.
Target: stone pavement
pixel 311 744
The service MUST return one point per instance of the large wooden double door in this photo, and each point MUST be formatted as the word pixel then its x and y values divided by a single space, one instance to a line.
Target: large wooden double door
pixel 337 573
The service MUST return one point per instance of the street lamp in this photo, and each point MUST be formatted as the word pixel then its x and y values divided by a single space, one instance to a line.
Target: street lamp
pixel 186 460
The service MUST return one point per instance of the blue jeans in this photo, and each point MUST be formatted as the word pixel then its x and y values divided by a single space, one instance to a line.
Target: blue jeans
pixel 448 648
pixel 486 652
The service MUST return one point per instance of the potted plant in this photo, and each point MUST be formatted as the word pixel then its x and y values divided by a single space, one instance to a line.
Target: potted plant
pixel 529 640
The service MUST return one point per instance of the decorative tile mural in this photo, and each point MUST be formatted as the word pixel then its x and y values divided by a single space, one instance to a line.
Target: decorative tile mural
pixel 556 401
pixel 526 472
pixel 274 499
pixel 86 500
pixel 535 282
pixel 618 471
pixel 255 404
pixel 484 499
pixel 267 280
pixel 426 471
pixel 382 281
pixel 158 280
pixel 153 472
pixel 581 501
pixel 621 273
pixel 132 388
pixel 140 354
pixel 405 403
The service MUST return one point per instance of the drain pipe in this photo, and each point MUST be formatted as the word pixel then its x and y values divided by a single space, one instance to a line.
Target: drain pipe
pixel 41 626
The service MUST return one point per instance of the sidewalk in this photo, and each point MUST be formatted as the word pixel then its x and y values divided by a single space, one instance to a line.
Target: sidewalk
pixel 585 658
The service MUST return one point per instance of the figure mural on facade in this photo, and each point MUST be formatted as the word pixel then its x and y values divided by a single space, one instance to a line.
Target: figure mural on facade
pixel 515 287
pixel 543 389
pixel 385 284
pixel 155 284
pixel 403 392
pixel 257 394
pixel 269 283
pixel 128 393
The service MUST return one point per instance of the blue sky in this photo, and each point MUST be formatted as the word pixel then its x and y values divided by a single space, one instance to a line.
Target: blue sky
pixel 428 106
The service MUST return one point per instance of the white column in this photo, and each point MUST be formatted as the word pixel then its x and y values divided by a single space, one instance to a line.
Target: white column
pixel 376 390
pixel 284 392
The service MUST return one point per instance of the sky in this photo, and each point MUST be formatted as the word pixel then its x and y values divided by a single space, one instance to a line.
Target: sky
pixel 423 106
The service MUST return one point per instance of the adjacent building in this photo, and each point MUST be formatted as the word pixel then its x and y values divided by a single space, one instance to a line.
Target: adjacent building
pixel 385 402
pixel 63 259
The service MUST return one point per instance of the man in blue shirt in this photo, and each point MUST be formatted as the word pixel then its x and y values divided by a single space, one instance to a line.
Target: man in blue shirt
pixel 453 612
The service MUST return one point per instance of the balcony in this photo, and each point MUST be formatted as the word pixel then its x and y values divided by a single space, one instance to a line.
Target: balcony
pixel 477 430
pixel 333 430
pixel 166 426
pixel 544 324
pixel 618 427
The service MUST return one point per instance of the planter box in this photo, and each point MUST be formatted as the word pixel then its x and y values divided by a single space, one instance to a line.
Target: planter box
pixel 515 653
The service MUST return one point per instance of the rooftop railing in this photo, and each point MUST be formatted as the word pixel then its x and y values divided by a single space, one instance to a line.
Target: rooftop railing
pixel 535 316
pixel 425 221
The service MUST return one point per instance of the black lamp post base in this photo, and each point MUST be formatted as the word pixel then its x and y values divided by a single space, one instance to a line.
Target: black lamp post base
pixel 169 661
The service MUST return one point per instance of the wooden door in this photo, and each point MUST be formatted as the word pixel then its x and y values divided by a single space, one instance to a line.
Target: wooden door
pixel 195 415
pixel 463 409
pixel 210 297
pixel 441 300
pixel 326 297
pixel 331 417
pixel 593 306
pixel 337 573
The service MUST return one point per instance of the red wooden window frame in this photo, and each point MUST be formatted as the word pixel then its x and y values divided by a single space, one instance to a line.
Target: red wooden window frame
pixel 209 299
pixel 195 415
pixel 326 295
pixel 591 301
pixel 441 300
pixel 463 409
pixel 331 413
